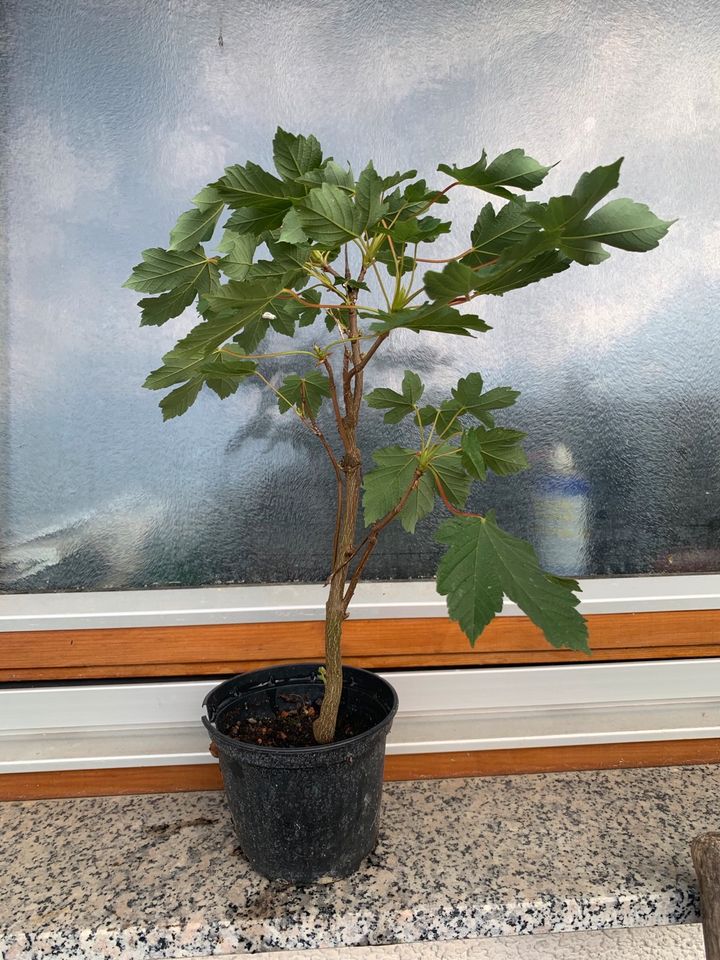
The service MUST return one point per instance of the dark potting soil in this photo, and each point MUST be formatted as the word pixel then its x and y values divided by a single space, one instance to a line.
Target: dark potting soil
pixel 291 725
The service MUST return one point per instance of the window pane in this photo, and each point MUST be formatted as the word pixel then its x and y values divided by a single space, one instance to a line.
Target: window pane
pixel 119 111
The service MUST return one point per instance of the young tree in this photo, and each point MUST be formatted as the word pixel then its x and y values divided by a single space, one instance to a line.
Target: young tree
pixel 325 235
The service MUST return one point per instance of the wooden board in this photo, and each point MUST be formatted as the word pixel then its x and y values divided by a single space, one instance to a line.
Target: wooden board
pixel 382 644
pixel 175 779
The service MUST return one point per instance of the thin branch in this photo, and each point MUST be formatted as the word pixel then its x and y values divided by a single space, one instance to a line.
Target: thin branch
pixel 335 402
pixel 447 259
pixel 328 449
pixel 370 540
pixel 290 294
pixel 277 393
pixel 369 355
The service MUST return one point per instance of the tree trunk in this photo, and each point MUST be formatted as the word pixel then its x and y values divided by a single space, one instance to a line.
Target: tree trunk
pixel 336 607
pixel 706 857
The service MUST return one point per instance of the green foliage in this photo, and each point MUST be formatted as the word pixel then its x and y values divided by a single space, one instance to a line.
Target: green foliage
pixel 197 225
pixel 497 449
pixel 239 250
pixel 162 270
pixel 327 216
pixel 279 265
pixel 396 468
pixel 305 393
pixel 398 405
pixel 511 169
pixel 432 317
pixel 483 564
pixel 295 155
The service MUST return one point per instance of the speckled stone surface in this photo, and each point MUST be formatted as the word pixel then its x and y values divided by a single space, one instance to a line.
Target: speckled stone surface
pixel 637 943
pixel 161 876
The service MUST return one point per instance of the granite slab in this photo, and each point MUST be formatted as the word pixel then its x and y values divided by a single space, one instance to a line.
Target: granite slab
pixel 677 942
pixel 162 877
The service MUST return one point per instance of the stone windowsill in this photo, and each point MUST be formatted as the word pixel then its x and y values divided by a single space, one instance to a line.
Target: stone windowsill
pixel 161 876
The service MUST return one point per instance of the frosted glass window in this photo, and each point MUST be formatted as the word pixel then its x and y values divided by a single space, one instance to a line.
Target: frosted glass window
pixel 118 110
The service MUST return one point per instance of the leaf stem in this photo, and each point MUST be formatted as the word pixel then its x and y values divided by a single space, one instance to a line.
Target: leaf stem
pixel 451 508
pixel 265 356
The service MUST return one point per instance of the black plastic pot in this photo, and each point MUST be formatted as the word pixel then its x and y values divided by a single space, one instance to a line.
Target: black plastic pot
pixel 303 814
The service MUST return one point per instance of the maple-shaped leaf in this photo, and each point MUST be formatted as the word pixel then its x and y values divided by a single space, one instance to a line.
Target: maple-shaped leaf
pixel 484 564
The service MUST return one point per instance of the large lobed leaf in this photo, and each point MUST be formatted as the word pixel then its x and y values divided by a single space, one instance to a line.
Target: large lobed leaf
pixel 433 317
pixel 251 186
pixel 327 215
pixel 497 449
pixel 295 155
pixel 483 564
pixel 512 169
pixel 385 486
pixel 221 372
pixel 306 393
pixel 162 270
pixel 397 405
pixel 197 225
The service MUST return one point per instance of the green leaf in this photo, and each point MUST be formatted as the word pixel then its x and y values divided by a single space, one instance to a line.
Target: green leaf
pixel 497 449
pixel 251 186
pixel 289 313
pixel 295 155
pixel 163 270
pixel 586 252
pixel 252 334
pixel 222 373
pixel 395 178
pixel 624 224
pixel 435 317
pixel 470 396
pixel 305 393
pixel 447 469
pixel 235 308
pixel 254 221
pixel 292 229
pixel 179 401
pixel 331 173
pixel 512 169
pixel 398 405
pixel 454 280
pixel 424 230
pixel 484 563
pixel 510 274
pixel 495 231
pixel 385 486
pixel 327 215
pixel 158 310
pixel 197 225
pixel 285 268
pixel 369 206
pixel 239 249
pixel 560 214
pixel 384 255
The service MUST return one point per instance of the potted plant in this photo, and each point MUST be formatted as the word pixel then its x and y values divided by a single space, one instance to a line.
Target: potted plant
pixel 302 746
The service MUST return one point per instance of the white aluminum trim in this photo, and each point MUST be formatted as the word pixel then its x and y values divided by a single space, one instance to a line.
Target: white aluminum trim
pixel 98 725
pixel 278 602
pixel 439 691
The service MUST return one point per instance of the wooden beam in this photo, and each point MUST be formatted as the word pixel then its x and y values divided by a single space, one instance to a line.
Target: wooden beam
pixel 418 766
pixel 382 644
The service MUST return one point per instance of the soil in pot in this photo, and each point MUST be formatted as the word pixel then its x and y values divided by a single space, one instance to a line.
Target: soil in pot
pixel 290 725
